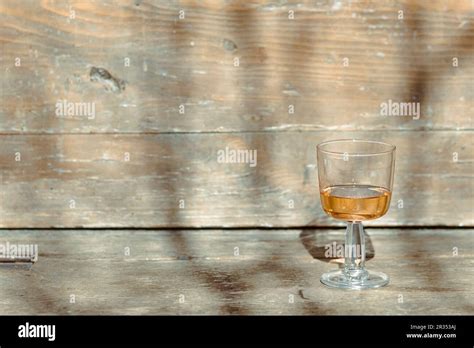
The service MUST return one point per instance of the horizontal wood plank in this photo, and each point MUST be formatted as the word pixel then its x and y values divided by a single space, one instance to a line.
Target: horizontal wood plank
pixel 177 180
pixel 427 276
pixel 187 65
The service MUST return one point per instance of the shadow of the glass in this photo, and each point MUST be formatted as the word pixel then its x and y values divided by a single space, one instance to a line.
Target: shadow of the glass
pixel 328 247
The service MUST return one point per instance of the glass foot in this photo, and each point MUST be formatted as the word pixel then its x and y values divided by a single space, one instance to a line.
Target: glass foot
pixel 366 280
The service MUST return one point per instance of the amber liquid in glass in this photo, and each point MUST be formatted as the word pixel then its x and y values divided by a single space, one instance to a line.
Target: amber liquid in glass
pixel 355 202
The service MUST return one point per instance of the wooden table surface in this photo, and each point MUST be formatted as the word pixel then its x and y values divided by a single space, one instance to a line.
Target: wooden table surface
pixel 265 271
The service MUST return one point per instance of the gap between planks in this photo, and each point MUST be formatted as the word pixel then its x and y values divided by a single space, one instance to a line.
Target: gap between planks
pixel 265 131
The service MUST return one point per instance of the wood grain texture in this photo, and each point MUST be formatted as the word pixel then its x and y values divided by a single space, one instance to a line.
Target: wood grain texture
pixel 190 62
pixel 176 180
pixel 201 265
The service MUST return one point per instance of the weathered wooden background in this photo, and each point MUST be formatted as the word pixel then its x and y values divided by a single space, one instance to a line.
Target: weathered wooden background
pixel 174 82
pixel 176 95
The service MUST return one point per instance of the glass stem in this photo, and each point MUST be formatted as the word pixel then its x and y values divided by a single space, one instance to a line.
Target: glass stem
pixel 354 264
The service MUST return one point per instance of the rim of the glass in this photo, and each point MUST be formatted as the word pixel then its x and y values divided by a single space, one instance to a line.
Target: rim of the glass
pixel 391 147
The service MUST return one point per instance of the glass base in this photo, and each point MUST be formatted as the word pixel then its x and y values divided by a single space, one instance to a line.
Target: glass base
pixel 363 280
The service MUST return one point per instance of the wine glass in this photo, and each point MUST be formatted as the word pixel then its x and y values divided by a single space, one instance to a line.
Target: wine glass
pixel 355 184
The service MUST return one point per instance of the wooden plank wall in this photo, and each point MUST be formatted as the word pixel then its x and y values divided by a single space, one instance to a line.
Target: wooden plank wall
pixel 174 82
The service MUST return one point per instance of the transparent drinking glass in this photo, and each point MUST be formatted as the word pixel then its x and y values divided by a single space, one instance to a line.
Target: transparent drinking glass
pixel 355 185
